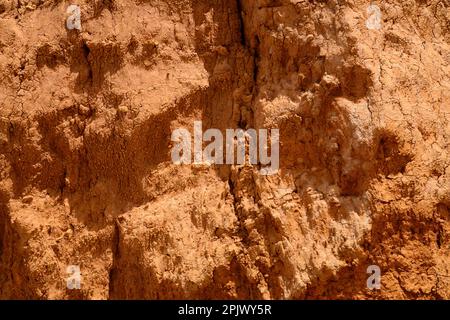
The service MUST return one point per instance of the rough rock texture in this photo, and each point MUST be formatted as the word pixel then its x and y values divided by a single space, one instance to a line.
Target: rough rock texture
pixel 86 176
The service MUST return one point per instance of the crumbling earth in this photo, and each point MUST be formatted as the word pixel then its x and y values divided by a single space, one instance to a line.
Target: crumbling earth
pixel 86 177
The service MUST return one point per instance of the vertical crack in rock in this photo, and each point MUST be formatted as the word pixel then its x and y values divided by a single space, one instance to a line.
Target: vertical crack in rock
pixel 115 258
pixel 241 24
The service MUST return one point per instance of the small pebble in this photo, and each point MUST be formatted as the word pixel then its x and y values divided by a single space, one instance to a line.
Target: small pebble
pixel 122 109
pixel 83 110
pixel 27 199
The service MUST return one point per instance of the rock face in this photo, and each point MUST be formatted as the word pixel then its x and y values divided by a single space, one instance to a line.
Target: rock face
pixel 86 176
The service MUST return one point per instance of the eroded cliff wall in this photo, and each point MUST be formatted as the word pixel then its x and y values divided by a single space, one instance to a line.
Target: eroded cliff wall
pixel 86 176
